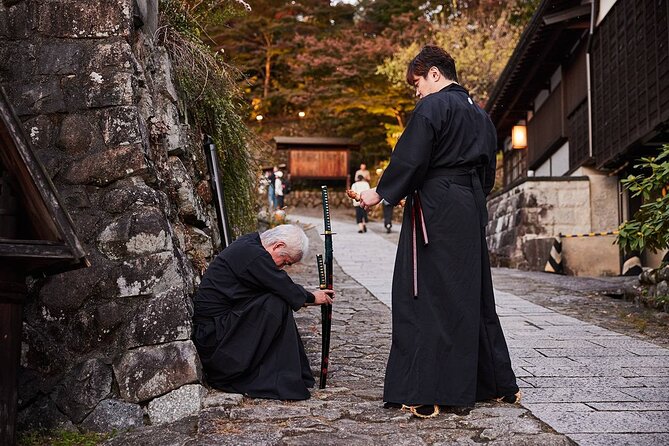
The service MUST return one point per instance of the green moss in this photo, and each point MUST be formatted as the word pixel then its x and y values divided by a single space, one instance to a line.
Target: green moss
pixel 62 438
pixel 213 100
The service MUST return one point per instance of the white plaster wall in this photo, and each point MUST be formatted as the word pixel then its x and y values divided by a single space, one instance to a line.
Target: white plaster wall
pixel 604 8
pixel 560 161
pixel 604 199
pixel 544 170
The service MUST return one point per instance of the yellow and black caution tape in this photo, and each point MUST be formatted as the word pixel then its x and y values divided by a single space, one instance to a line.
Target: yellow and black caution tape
pixel 590 234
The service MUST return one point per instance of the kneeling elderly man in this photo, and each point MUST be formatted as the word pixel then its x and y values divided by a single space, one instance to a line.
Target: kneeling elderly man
pixel 243 323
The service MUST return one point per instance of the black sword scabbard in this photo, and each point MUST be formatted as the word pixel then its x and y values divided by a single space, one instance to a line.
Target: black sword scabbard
pixel 326 310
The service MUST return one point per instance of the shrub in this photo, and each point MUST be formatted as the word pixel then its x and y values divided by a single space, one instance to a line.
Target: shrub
pixel 649 228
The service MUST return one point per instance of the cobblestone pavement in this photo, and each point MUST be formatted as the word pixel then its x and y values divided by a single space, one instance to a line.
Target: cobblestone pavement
pixel 598 386
pixel 590 384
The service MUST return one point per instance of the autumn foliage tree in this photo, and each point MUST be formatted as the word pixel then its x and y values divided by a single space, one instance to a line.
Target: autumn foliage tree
pixel 344 64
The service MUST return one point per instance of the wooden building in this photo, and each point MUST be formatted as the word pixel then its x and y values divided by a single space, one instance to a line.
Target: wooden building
pixel 317 158
pixel 588 83
pixel 37 237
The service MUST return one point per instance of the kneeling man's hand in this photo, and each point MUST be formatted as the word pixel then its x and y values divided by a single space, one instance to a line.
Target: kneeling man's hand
pixel 323 297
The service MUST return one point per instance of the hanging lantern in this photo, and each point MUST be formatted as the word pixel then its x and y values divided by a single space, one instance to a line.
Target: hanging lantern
pixel 519 137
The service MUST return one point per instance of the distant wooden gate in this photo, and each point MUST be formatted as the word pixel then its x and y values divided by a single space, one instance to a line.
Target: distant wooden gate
pixel 317 158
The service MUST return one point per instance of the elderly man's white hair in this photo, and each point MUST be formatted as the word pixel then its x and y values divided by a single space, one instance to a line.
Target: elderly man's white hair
pixel 297 243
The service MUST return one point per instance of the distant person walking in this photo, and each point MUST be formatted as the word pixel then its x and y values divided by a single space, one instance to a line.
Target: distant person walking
pixel 360 213
pixel 448 348
pixel 387 215
pixel 267 182
pixel 364 172
pixel 278 188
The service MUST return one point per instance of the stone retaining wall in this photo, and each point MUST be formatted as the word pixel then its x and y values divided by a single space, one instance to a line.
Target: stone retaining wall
pixel 96 97
pixel 655 288
pixel 524 220
pixel 313 198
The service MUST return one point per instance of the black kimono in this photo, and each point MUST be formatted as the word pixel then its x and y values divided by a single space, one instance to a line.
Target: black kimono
pixel 244 329
pixel 447 343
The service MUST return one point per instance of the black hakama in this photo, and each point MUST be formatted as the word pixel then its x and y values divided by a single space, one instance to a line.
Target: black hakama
pixel 447 343
pixel 244 328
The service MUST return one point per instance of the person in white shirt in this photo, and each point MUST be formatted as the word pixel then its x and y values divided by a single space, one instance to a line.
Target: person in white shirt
pixel 278 189
pixel 364 172
pixel 360 213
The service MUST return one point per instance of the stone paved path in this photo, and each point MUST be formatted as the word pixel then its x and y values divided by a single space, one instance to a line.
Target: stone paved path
pixel 592 385
pixel 597 386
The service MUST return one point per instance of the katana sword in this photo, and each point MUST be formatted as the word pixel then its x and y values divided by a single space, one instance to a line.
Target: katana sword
pixel 326 310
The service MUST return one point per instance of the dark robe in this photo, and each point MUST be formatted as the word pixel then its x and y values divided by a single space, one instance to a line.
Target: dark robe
pixel 243 325
pixel 447 343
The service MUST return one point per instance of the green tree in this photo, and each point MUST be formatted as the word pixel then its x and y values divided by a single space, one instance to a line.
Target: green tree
pixel 263 42
pixel 480 35
pixel 649 228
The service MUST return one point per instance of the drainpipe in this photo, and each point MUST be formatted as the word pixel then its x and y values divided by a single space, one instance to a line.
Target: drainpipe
pixel 594 10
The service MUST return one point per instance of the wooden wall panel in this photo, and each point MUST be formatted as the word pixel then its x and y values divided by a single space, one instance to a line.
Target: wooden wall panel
pixel 630 76
pixel 577 133
pixel 318 163
pixel 546 129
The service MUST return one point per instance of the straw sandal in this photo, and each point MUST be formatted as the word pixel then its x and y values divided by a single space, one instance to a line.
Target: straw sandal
pixel 420 411
pixel 511 399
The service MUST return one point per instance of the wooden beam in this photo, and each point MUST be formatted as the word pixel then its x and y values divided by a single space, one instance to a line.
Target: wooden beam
pixel 36 250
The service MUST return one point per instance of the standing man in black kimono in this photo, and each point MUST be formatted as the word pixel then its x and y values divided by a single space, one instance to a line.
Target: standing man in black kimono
pixel 243 326
pixel 448 348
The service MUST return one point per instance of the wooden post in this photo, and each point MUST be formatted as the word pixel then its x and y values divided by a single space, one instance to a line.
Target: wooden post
pixel 12 296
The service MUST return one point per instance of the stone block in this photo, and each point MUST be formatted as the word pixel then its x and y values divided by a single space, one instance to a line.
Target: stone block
pixel 110 415
pixel 575 395
pixel 606 422
pixel 149 275
pixel 179 403
pixel 16 19
pixel 43 415
pixel 191 207
pixel 537 252
pixel 152 436
pixel 83 388
pixel 42 131
pixel 128 194
pixel 164 318
pixel 120 125
pixel 36 96
pixel 635 439
pixel 146 13
pixel 163 82
pixel 67 292
pixel 61 57
pixel 109 165
pixel 217 398
pixel 272 412
pixel 140 232
pixel 76 19
pixel 79 134
pixel 147 372
pixel 105 87
pixel 168 114
pixel 199 243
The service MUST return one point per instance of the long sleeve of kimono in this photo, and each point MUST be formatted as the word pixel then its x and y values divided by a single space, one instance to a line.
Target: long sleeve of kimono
pixel 490 170
pixel 267 275
pixel 410 160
